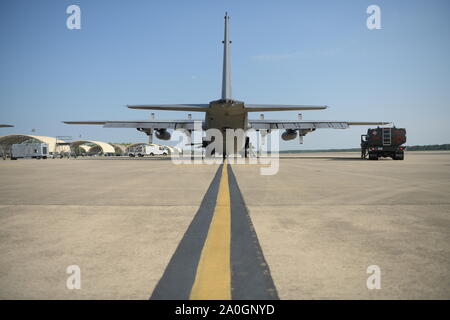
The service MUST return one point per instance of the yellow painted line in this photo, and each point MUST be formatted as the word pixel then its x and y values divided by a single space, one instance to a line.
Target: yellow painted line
pixel 213 277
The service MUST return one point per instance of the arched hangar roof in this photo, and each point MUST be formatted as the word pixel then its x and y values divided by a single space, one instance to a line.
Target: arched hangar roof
pixel 106 147
pixel 11 139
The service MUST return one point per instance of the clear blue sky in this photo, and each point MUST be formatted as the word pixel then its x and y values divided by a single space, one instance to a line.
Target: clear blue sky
pixel 290 52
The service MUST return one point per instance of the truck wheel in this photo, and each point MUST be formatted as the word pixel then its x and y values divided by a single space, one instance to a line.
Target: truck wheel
pixel 401 156
pixel 373 157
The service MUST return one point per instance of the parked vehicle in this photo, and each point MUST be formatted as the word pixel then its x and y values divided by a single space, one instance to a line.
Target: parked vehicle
pixel 147 150
pixel 383 142
pixel 30 150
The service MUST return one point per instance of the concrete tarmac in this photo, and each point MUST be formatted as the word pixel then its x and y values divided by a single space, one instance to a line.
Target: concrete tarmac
pixel 321 221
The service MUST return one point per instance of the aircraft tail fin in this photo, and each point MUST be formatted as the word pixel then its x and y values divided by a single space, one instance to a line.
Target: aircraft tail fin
pixel 226 73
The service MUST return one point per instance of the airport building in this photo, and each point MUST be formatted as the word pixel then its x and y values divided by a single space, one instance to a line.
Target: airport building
pixel 93 147
pixel 58 146
pixel 54 145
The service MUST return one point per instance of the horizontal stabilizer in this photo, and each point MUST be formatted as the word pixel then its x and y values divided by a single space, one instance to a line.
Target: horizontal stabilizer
pixel 280 107
pixel 84 122
pixel 172 107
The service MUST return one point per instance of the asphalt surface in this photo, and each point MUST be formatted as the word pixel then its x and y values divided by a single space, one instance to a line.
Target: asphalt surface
pixel 140 229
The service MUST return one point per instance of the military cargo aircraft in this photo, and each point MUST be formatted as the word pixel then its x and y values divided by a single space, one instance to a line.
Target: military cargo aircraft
pixel 227 113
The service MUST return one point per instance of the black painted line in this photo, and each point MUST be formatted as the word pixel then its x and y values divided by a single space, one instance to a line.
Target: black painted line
pixel 179 275
pixel 250 273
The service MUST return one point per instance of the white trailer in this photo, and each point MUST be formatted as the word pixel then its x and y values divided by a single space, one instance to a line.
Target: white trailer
pixel 29 150
pixel 148 150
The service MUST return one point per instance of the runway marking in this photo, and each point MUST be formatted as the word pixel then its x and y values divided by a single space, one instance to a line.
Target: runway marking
pixel 179 275
pixel 213 278
pixel 219 256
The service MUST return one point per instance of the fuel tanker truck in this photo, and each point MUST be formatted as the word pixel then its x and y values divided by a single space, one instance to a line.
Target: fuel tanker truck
pixel 383 142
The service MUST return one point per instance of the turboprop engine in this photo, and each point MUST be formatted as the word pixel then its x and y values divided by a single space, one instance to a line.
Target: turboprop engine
pixel 162 134
pixel 289 134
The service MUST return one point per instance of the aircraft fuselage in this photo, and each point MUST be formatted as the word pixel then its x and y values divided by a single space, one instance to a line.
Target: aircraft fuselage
pixel 226 114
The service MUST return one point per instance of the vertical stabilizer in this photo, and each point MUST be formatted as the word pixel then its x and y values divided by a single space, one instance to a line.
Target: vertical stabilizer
pixel 226 75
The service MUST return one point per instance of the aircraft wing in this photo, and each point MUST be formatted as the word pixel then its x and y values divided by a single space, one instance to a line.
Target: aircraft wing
pixel 301 124
pixel 153 124
pixel 280 107
pixel 171 107
pixel 5 126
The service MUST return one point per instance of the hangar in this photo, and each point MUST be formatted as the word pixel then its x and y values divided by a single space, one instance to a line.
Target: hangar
pixel 98 146
pixel 120 149
pixel 58 146
pixel 8 140
pixel 96 149
pixel 55 145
